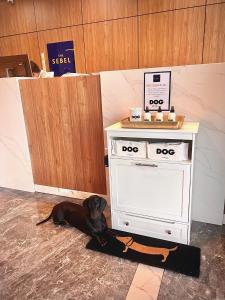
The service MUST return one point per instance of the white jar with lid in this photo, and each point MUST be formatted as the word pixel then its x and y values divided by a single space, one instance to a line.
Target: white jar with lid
pixel 135 114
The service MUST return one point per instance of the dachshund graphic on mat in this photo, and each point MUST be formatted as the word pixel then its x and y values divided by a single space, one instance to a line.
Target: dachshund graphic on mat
pixel 131 244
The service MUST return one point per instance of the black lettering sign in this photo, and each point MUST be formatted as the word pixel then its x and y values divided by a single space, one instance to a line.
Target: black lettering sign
pixel 158 151
pixel 171 152
pixel 130 149
pixel 157 102
pixel 165 151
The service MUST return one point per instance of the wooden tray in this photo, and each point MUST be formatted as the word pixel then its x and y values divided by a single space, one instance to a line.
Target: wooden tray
pixel 126 123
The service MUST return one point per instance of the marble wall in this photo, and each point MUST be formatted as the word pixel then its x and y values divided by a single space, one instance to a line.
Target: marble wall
pixel 198 92
pixel 15 164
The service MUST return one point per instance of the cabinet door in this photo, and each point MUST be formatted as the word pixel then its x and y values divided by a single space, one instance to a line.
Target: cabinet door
pixel 158 190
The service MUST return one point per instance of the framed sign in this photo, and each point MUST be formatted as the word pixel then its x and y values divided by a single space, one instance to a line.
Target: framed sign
pixel 61 58
pixel 157 90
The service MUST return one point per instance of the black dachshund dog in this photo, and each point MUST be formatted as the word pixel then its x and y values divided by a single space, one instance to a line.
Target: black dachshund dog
pixel 88 218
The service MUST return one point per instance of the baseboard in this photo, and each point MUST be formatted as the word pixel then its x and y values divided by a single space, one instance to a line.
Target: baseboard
pixel 63 192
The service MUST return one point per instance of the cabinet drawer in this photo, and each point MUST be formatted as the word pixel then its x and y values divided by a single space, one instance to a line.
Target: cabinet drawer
pixel 148 227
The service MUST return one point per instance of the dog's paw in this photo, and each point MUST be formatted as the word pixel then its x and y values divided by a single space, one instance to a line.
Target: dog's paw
pixel 102 242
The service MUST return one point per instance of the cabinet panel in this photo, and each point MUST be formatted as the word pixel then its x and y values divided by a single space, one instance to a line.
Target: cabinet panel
pixel 171 38
pixel 57 13
pixel 151 6
pixel 214 1
pixel 214 46
pixel 153 228
pixel 64 122
pixel 18 18
pixel 74 33
pixel 99 10
pixel 111 45
pixel 160 190
pixel 21 44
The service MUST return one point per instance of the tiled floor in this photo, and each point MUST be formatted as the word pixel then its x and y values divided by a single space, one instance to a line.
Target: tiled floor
pixel 211 283
pixel 50 262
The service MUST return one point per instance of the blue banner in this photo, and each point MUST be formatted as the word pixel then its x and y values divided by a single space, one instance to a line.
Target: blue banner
pixel 61 58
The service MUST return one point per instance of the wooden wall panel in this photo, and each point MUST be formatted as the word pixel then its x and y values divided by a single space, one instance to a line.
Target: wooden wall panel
pixel 171 38
pixel 111 45
pixel 214 46
pixel 21 44
pixel 214 1
pixel 64 121
pixel 17 18
pixel 100 10
pixel 74 33
pixel 57 13
pixel 151 6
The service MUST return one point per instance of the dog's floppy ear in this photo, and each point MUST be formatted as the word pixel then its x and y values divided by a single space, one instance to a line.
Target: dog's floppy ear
pixel 102 204
pixel 85 203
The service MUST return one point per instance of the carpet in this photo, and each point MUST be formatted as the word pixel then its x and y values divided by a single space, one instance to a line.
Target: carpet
pixel 172 256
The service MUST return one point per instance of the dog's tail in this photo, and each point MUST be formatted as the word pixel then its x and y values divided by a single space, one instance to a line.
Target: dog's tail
pixel 45 220
pixel 173 249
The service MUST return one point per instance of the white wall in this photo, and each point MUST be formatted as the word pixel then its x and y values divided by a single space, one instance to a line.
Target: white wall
pixel 198 92
pixel 15 164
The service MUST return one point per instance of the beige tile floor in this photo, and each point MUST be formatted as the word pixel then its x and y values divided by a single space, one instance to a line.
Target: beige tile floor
pixel 145 284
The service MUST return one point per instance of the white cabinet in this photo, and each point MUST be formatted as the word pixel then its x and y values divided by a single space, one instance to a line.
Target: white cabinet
pixel 152 198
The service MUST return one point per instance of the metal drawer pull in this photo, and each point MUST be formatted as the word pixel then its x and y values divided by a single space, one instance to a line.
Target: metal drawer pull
pixel 168 231
pixel 146 165
pixel 126 223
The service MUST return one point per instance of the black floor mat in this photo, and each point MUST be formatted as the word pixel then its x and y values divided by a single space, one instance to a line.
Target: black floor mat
pixel 183 259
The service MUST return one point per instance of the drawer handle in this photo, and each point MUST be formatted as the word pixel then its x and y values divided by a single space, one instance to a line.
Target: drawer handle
pixel 126 223
pixel 168 231
pixel 146 165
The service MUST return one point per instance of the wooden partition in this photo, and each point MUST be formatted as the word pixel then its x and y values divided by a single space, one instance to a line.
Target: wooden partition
pixel 65 132
pixel 214 34
pixel 21 44
pixel 17 18
pixel 120 49
pixel 155 6
pixel 171 38
pixel 117 34
pixel 57 13
pixel 102 10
